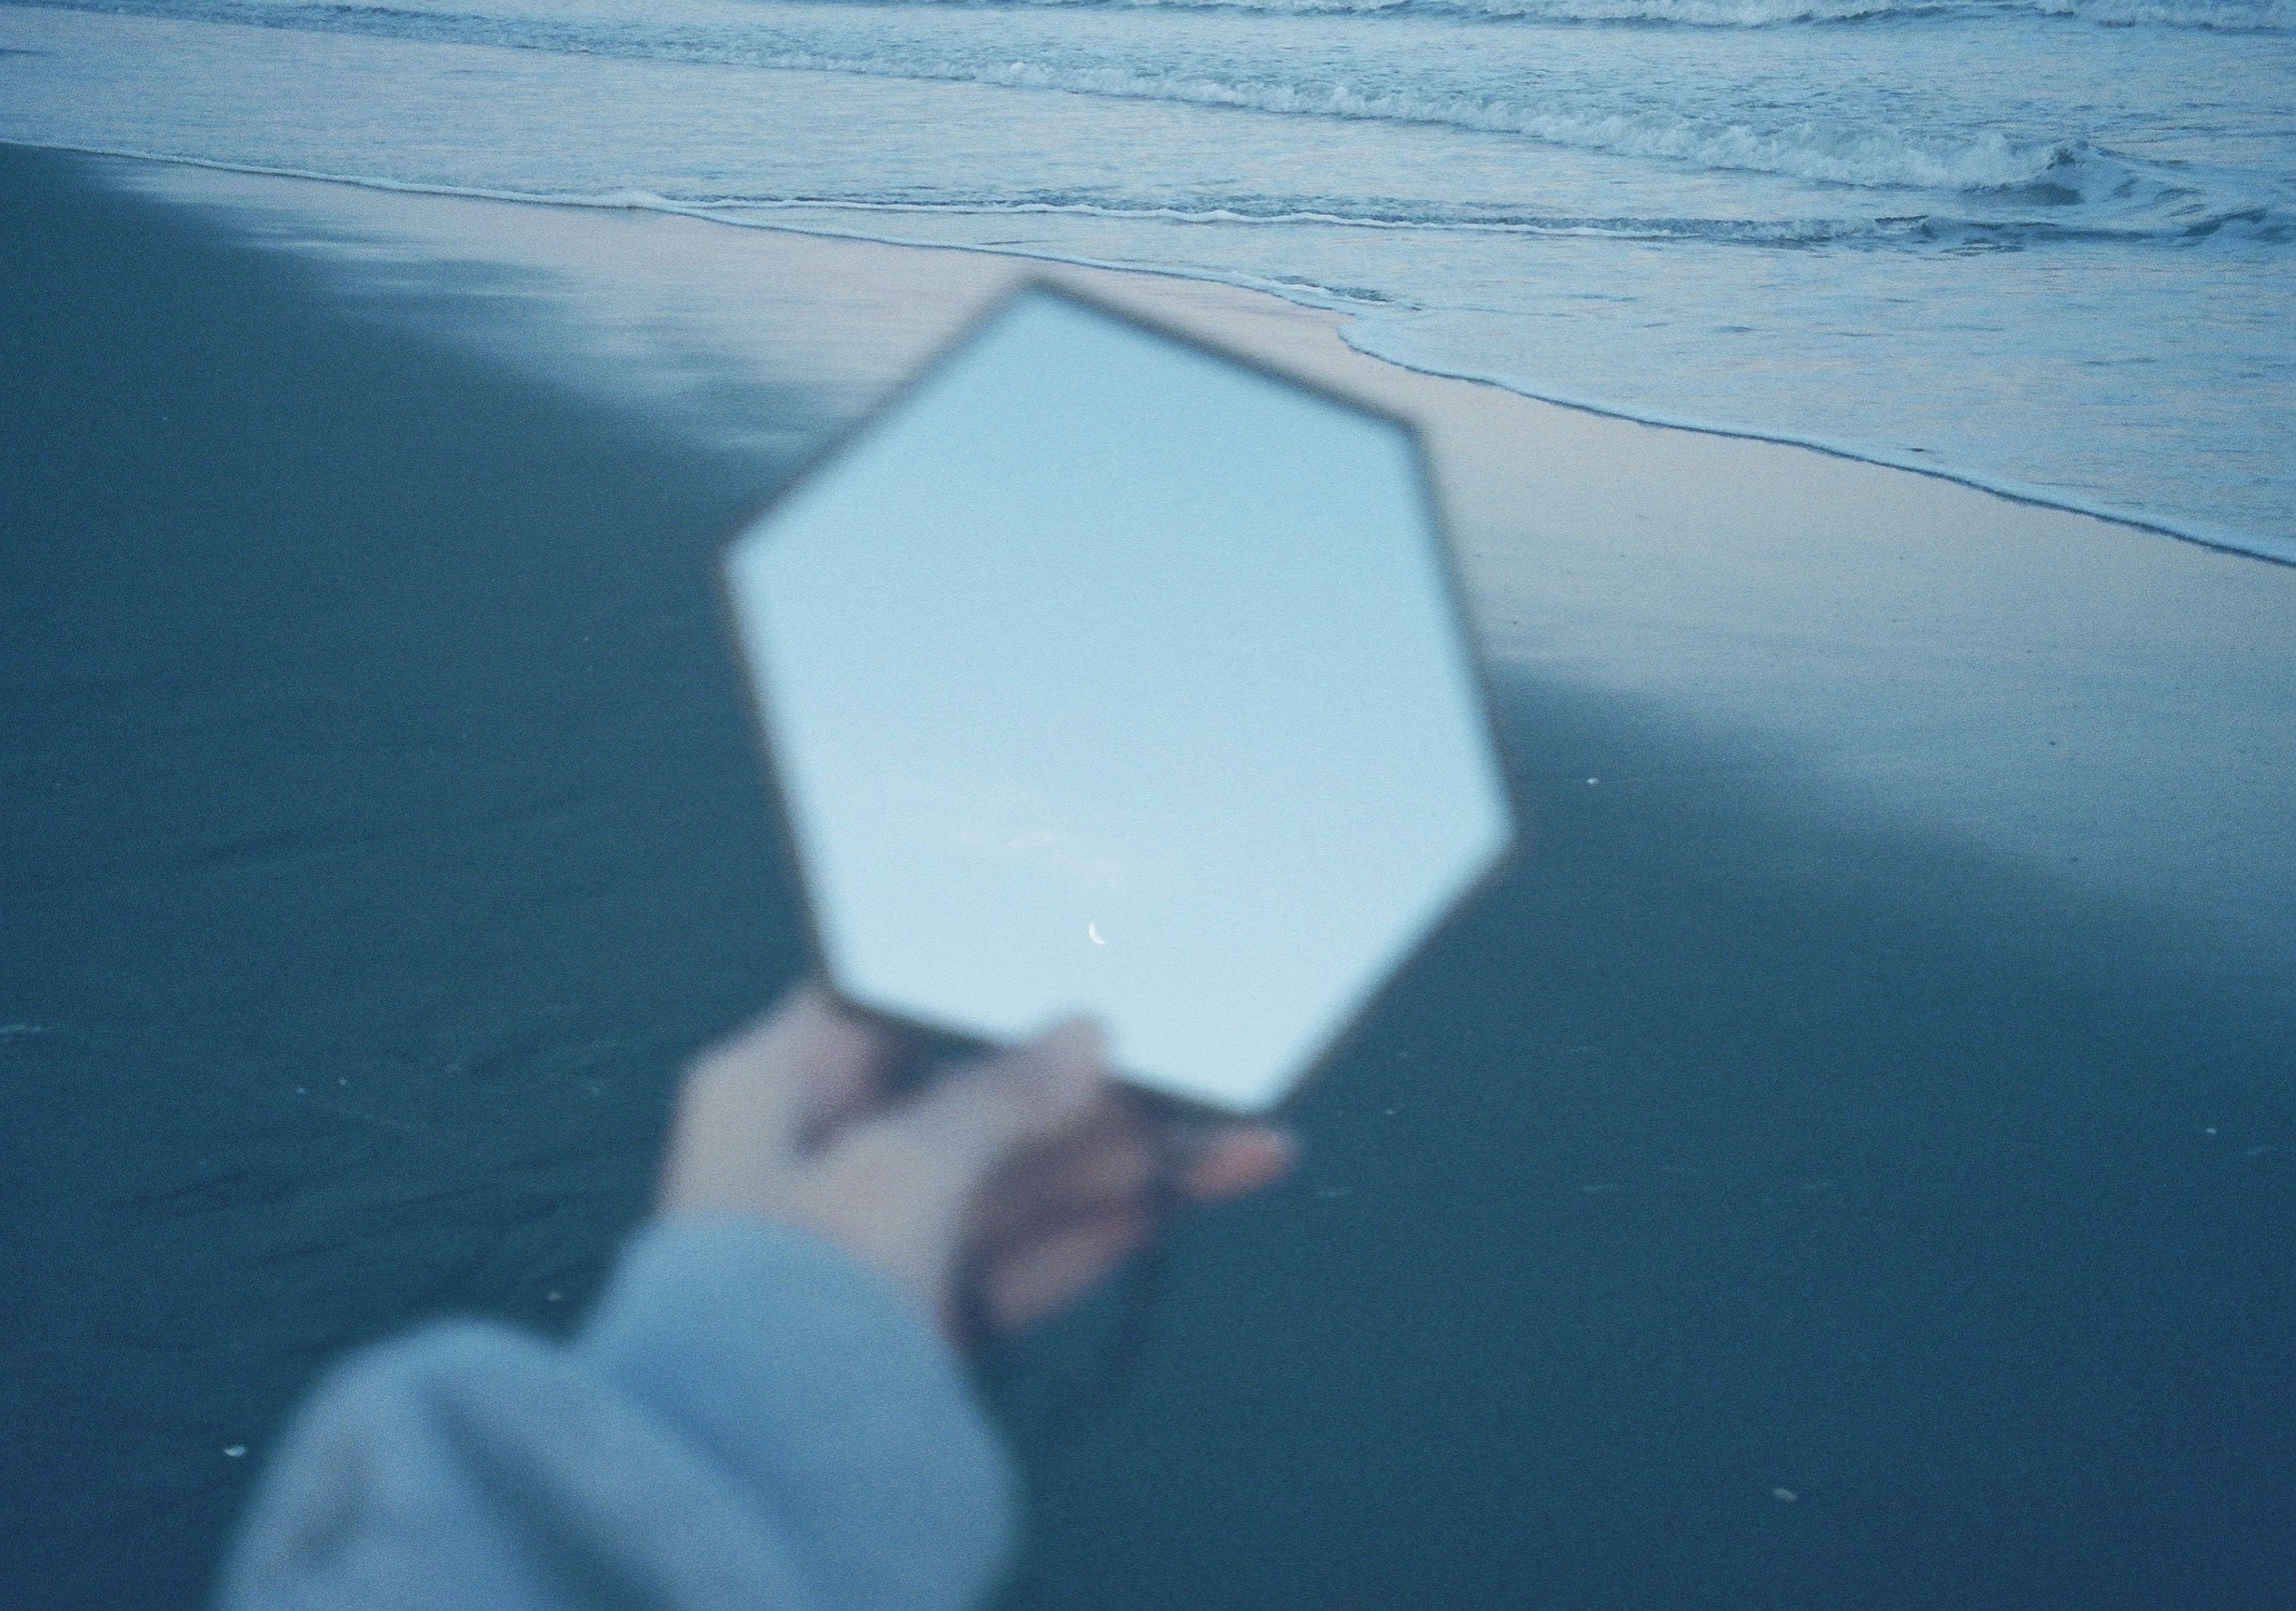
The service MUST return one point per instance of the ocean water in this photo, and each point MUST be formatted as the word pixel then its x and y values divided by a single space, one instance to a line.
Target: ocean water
pixel 2041 245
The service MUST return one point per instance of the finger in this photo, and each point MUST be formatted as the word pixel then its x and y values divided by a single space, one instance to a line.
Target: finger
pixel 1028 1283
pixel 1106 1158
pixel 901 1188
pixel 976 1119
pixel 747 1105
pixel 802 1069
pixel 1122 1158
pixel 845 1082
pixel 1238 1161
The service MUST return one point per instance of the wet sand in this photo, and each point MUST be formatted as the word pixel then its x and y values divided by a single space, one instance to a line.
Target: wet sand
pixel 1872 1087
pixel 2114 703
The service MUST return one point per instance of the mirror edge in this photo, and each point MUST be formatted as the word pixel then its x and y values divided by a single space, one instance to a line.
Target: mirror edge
pixel 748 672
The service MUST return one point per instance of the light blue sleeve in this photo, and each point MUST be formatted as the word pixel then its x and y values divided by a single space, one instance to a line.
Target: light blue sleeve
pixel 751 1419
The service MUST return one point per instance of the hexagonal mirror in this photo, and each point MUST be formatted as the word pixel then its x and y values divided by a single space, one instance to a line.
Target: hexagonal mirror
pixel 1101 672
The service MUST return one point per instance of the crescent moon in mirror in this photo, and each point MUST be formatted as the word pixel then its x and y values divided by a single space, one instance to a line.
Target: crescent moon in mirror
pixel 1092 933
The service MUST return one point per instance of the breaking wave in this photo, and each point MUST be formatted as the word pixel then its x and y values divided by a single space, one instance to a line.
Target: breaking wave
pixel 666 32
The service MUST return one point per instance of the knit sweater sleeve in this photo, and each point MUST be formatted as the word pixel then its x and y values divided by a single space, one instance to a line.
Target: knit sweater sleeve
pixel 750 1420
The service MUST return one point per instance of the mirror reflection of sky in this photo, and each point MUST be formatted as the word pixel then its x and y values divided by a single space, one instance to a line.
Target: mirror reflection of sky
pixel 1108 675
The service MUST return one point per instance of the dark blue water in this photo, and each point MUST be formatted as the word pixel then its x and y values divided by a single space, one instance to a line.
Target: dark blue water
pixel 383 830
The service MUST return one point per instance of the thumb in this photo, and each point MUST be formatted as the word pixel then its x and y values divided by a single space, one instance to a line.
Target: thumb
pixel 979 1117
pixel 900 1189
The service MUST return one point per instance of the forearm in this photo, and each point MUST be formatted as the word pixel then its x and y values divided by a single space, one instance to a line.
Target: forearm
pixel 750 1420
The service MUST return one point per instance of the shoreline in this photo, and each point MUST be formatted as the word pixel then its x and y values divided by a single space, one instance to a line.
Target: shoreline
pixel 2243 545
pixel 2076 693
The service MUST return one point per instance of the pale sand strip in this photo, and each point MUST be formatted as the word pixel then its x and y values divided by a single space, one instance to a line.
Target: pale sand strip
pixel 2114 704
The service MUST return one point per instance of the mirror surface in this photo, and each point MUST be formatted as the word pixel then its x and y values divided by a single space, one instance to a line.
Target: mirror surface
pixel 1103 672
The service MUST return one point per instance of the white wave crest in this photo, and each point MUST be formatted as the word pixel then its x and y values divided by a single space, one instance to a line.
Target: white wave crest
pixel 2225 16
pixel 1695 13
pixel 2234 16
pixel 1805 150
pixel 446 20
pixel 1876 158
pixel 2237 16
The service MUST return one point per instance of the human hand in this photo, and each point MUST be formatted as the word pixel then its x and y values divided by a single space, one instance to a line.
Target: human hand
pixel 1026 1176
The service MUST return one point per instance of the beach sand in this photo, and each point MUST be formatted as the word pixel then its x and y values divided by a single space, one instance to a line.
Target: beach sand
pixel 1872 1085
pixel 2114 704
